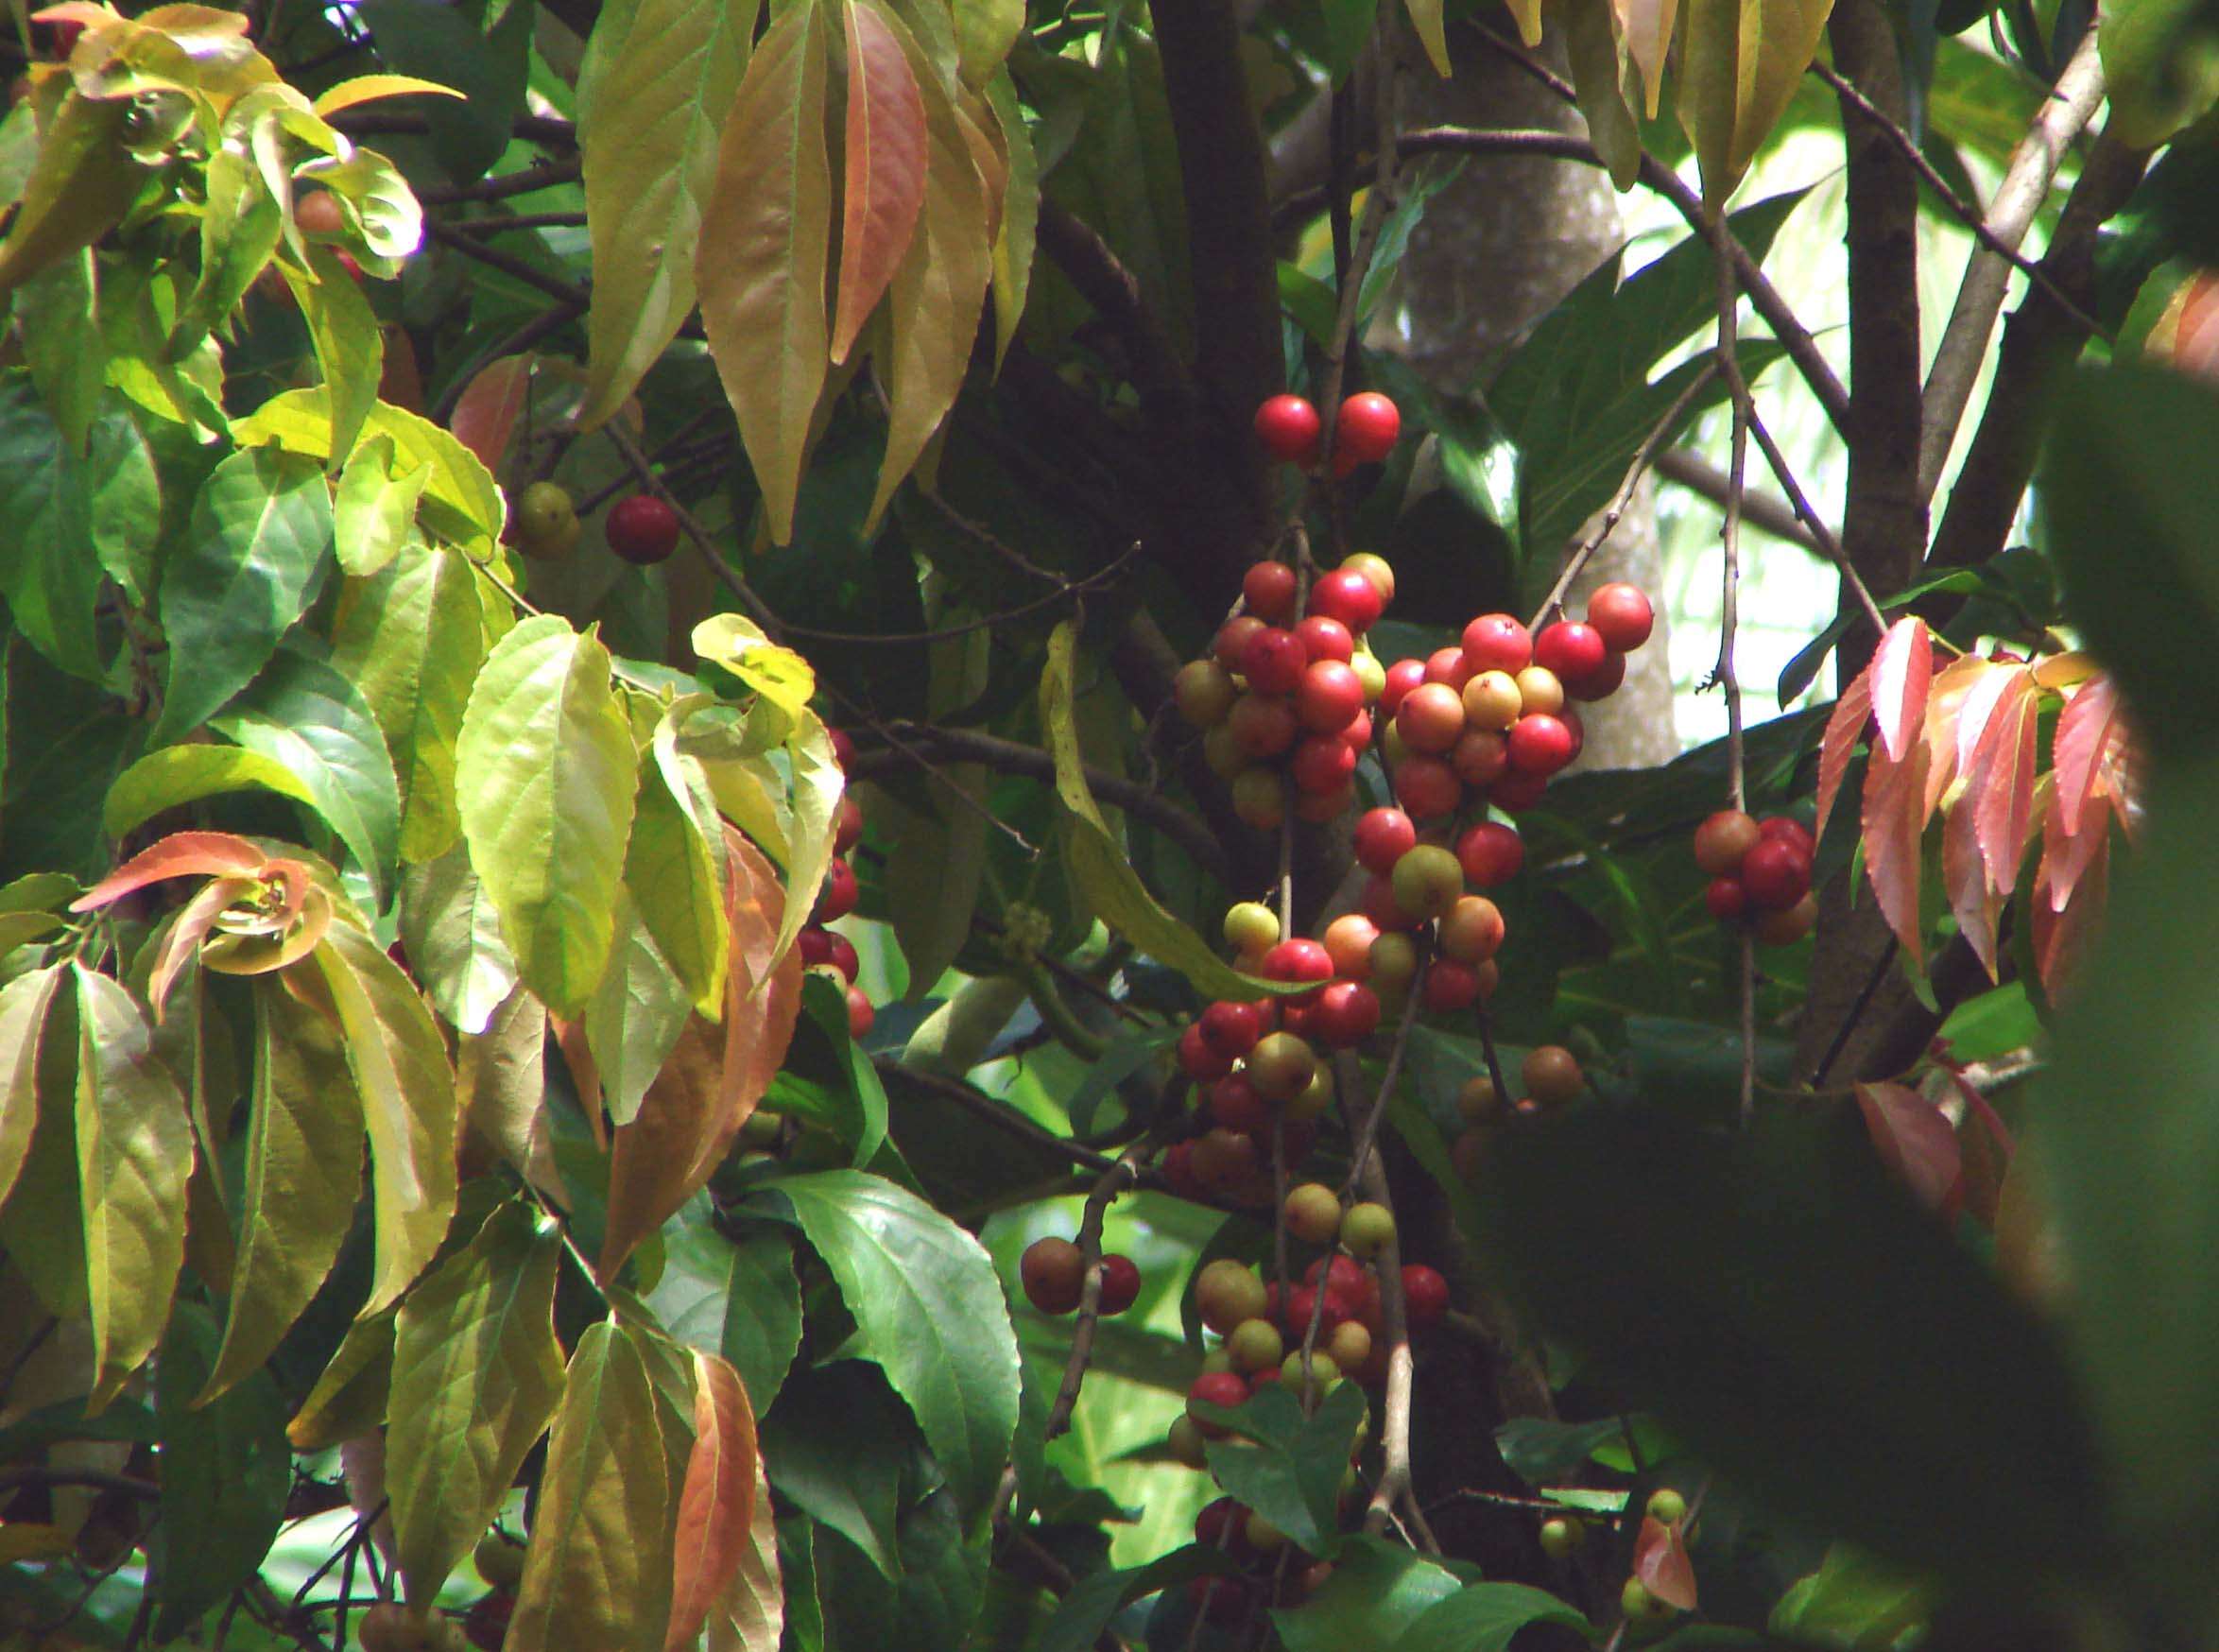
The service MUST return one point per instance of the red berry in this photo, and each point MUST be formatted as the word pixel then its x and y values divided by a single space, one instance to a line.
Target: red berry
pixel 1322 764
pixel 1791 831
pixel 1219 1523
pixel 1425 1296
pixel 814 945
pixel 1268 588
pixel 1303 1302
pixel 1382 837
pixel 1230 645
pixel 1358 732
pixel 1200 1059
pixel 1298 960
pixel 849 828
pixel 1235 1106
pixel 1539 745
pixel 1326 638
pixel 1346 1015
pixel 1430 718
pixel 837 898
pixel 1479 757
pixel 1451 985
pixel 1775 873
pixel 1379 905
pixel 1602 682
pixel 641 529
pixel 1273 660
pixel 1289 428
pixel 843 745
pixel 1053 1273
pixel 1367 429
pixel 1263 725
pixel 1725 899
pixel 1224 1389
pixel 1345 594
pixel 1328 697
pixel 1342 1274
pixel 1222 1600
pixel 1450 667
pixel 1722 840
pixel 1319 807
pixel 1571 650
pixel 844 958
pixel 1517 792
pixel 1121 1283
pixel 1229 1028
pixel 1495 641
pixel 1573 721
pixel 1491 854
pixel 1179 1171
pixel 1622 614
pixel 1402 677
pixel 1427 787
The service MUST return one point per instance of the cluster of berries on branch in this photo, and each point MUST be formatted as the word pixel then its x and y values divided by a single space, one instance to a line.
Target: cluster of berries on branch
pixel 822 948
pixel 1760 874
pixel 1054 1274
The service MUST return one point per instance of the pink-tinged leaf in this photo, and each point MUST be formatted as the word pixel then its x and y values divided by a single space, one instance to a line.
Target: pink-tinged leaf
pixel 1985 693
pixel 1985 1148
pixel 1843 730
pixel 1945 705
pixel 1964 874
pixel 1901 672
pixel 2090 731
pixel 2065 856
pixel 485 417
pixel 1894 821
pixel 886 169
pixel 1660 1561
pixel 189 930
pixel 751 1615
pixel 717 1509
pixel 2062 933
pixel 1913 1137
pixel 183 855
pixel 2000 783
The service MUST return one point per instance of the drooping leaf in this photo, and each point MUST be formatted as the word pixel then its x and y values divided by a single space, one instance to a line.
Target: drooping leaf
pixel 716 1505
pixel 1894 821
pixel 1427 19
pixel 348 1399
pixel 930 1309
pixel 735 1297
pixel 349 350
pixel 836 1445
pixel 597 1573
pixel 742 648
pixel 134 1153
pixel 501 1076
pixel 408 1104
pixel 1286 1465
pixel 485 415
pixel 183 774
pixel 2089 744
pixel 886 166
pixel 761 255
pixel 477 1375
pixel 1999 782
pixel 23 1005
pixel 750 1616
pixel 635 1015
pixel 1486 1617
pixel 1901 672
pixel 84 179
pixel 454 940
pixel 303 1171
pixel 368 87
pixel 61 340
pixel 1741 61
pixel 546 774
pixel 672 868
pixel 1020 211
pixel 1604 76
pixel 1914 1139
pixel 49 583
pixel 243 572
pixel 1645 26
pixel 1844 728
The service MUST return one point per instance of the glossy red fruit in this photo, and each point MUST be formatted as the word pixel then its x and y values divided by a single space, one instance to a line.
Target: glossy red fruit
pixel 1622 613
pixel 1263 725
pixel 1053 1273
pixel 1302 1301
pixel 1495 641
pixel 1539 745
pixel 848 828
pixel 1345 596
pixel 1269 589
pixel 1343 1274
pixel 1775 873
pixel 1289 428
pixel 1223 1388
pixel 1200 1059
pixel 1235 1106
pixel 1220 1523
pixel 1358 732
pixel 1723 840
pixel 1324 638
pixel 1382 837
pixel 837 898
pixel 1230 1028
pixel 1373 567
pixel 1578 725
pixel 1480 757
pixel 1427 787
pixel 1231 642
pixel 1491 854
pixel 1450 986
pixel 862 1015
pixel 1328 697
pixel 1121 1283
pixel 1319 807
pixel 1322 765
pixel 1430 718
pixel 1347 1013
pixel 1273 660
pixel 1790 829
pixel 1299 959
pixel 1367 428
pixel 1222 1600
pixel 1425 1296
pixel 1402 677
pixel 1448 667
pixel 1725 899
pixel 842 956
pixel 1601 683
pixel 1571 649
pixel 1179 1171
pixel 814 945
pixel 643 529
pixel 1379 905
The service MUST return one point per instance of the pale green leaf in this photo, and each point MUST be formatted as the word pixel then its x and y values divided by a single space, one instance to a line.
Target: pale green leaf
pixel 348 348
pixel 181 774
pixel 241 224
pixel 365 88
pixel 636 1012
pixel 375 509
pixel 23 1005
pixel 379 205
pixel 83 182
pixel 1741 60
pixel 985 31
pixel 674 872
pixel 348 1398
pixel 740 646
pixel 476 1376
pixel 454 940
pixel 546 772
pixel 1021 211
pixel 61 342
pixel 117 500
pixel 1608 86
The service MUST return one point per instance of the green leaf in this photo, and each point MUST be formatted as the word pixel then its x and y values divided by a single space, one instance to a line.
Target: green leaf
pixel 23 1005
pixel 245 571
pixel 1094 1599
pixel 241 224
pixel 80 186
pixel 828 1079
pixel 634 1018
pixel 134 1153
pixel 1741 61
pixel 479 50
pixel 116 500
pixel 1609 92
pixel 985 31
pixel 454 940
pixel 62 344
pixel 412 637
pixel 657 83
pixel 1291 1472
pixel 183 774
pixel 930 1310
pixel 1486 1617
pixel 1853 1601
pixel 760 264
pixel 408 1104
pixel 1426 20
pixel 303 1173
pixel 307 715
pixel 48 582
pixel 835 1445
pixel 1021 212
pixel 349 350
pixel 546 775
pixel 225 1473
pixel 596 1575
pixel 41 1221
pixel 374 509
pixel 348 1398
pixel 2161 63
pixel 675 872
pixel 1376 1592
pixel 477 1375
pixel 735 1297
pixel 1099 866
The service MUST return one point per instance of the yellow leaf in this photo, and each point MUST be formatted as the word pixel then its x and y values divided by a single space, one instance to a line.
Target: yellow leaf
pixel 1645 28
pixel 1426 17
pixel 1741 60
pixel 738 645
pixel 364 88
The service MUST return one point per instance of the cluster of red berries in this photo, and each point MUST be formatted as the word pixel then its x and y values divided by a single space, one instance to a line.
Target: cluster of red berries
pixel 1364 434
pixel 1760 874
pixel 642 528
pixel 1054 1274
pixel 823 947
pixel 1281 689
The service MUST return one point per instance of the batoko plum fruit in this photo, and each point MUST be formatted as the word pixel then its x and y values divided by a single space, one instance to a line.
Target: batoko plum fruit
pixel 1760 874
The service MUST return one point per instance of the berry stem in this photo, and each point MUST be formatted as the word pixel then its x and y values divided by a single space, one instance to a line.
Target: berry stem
pixel 1730 368
pixel 1124 1174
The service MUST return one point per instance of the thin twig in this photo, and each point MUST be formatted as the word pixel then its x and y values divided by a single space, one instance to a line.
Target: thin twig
pixel 523 181
pixel 1729 543
pixel 1829 546
pixel 531 275
pixel 1360 1150
pixel 1116 1179
pixel 1699 476
pixel 1394 1486
pixel 497 225
pixel 1377 202
pixel 1003 1117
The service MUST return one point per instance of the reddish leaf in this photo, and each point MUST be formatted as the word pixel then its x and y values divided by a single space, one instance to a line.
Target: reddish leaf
pixel 1660 1561
pixel 1973 898
pixel 717 1509
pixel 1999 782
pixel 1843 730
pixel 886 169
pixel 2065 856
pixel 585 1073
pixel 1894 821
pixel 400 380
pixel 1913 1137
pixel 1901 672
pixel 2091 731
pixel 2063 926
pixel 486 415
pixel 189 930
pixel 1945 704
pixel 183 855
pixel 1986 1150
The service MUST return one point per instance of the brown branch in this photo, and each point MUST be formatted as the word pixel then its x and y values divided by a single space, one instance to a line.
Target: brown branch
pixel 1730 368
pixel 523 181
pixel 1699 476
pixel 544 325
pixel 551 131
pixel 565 292
pixel 1090 265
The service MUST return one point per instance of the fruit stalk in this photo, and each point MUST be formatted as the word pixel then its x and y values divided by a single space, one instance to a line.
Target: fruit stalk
pixel 1124 1174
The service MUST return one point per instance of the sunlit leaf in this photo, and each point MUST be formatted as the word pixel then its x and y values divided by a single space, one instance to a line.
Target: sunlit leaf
pixel 1741 60
pixel 1645 26
pixel 1846 727
pixel 1901 672
pixel 751 1615
pixel 453 936
pixel 349 350
pixel 2089 743
pixel 348 1399
pixel 80 186
pixel 636 1013
pixel 375 509
pixel 672 870
pixel 775 672
pixel 1894 821
pixel 886 161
